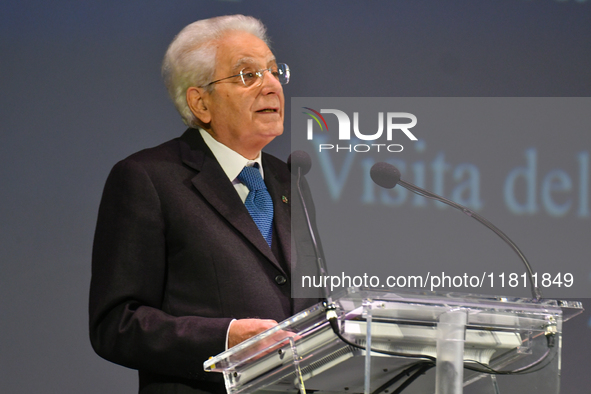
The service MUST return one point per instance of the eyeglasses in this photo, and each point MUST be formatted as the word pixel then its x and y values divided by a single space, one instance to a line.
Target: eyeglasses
pixel 250 77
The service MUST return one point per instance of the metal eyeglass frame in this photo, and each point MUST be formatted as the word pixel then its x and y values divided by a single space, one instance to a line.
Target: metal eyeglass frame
pixel 282 71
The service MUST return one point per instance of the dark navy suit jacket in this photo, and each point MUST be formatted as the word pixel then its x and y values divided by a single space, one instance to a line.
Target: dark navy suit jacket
pixel 177 256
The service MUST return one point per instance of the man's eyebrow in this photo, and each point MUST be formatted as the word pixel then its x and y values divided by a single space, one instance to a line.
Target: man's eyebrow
pixel 249 60
pixel 241 62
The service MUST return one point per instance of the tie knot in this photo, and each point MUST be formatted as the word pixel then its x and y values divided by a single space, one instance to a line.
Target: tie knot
pixel 251 177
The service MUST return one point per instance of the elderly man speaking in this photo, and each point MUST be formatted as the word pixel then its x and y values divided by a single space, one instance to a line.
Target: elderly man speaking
pixel 192 247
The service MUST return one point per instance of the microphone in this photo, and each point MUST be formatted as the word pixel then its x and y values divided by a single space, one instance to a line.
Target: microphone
pixel 299 164
pixel 385 175
pixel 299 161
pixel 388 176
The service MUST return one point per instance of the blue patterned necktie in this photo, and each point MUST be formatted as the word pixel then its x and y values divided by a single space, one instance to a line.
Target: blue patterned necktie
pixel 258 202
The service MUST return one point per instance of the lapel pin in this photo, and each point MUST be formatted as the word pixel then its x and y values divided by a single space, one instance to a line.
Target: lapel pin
pixel 284 199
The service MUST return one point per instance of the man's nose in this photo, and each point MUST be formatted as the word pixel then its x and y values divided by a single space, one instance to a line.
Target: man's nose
pixel 270 82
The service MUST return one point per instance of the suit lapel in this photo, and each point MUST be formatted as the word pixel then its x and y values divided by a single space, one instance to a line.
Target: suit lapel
pixel 216 188
pixel 279 188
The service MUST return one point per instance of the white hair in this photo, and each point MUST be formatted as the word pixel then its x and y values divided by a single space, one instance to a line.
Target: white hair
pixel 190 58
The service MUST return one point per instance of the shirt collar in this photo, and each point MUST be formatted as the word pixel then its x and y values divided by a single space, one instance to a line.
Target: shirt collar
pixel 231 161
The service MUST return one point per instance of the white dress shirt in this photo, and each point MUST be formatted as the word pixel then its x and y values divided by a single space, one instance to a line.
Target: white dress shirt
pixel 231 162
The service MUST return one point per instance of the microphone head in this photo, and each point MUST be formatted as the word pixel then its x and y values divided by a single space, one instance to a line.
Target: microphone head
pixel 299 159
pixel 385 175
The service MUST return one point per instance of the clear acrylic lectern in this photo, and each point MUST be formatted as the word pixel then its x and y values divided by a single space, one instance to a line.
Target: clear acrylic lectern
pixel 421 342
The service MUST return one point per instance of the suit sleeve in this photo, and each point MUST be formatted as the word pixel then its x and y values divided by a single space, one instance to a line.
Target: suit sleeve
pixel 129 265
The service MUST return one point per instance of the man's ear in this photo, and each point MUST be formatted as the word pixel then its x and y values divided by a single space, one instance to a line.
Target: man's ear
pixel 196 103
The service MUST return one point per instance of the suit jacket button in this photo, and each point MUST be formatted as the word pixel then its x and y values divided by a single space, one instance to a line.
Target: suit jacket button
pixel 280 279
